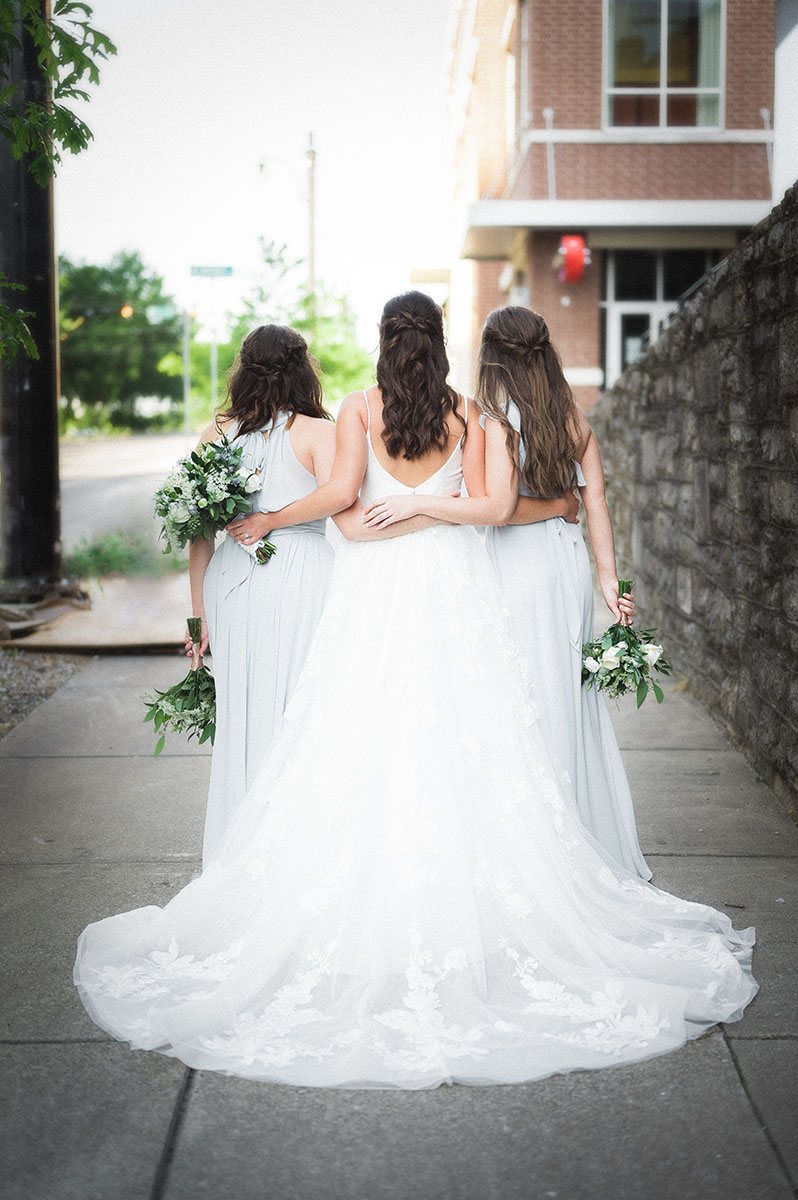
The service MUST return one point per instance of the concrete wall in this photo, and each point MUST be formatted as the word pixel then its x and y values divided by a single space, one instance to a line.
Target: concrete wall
pixel 700 442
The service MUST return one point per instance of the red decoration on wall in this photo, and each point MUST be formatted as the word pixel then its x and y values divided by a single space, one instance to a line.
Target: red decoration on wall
pixel 574 256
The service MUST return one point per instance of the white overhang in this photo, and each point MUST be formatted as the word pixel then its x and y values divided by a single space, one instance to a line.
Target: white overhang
pixel 491 225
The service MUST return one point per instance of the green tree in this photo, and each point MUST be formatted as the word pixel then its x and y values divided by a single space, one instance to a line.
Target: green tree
pixel 325 320
pixel 327 323
pixel 68 53
pixel 110 361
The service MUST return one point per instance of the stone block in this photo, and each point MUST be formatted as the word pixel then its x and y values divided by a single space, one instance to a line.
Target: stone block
pixel 705 375
pixel 788 355
pixel 771 442
pixel 697 497
pixel 783 499
pixel 766 295
pixel 649 463
pixel 721 309
pixel 717 478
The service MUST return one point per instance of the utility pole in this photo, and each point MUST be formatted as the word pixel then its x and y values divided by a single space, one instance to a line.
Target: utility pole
pixel 311 157
pixel 29 494
pixel 186 370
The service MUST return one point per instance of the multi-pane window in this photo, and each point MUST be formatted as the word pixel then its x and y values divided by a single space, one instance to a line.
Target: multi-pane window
pixel 640 288
pixel 664 62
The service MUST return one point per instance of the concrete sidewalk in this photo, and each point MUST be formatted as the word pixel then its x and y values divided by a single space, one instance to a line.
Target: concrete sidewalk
pixel 95 825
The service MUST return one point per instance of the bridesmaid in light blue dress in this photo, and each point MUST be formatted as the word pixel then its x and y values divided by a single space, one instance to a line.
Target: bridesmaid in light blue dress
pixel 260 618
pixel 544 570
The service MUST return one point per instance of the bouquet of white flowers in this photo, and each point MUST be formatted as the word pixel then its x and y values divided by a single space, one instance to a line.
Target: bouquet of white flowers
pixel 623 658
pixel 205 492
pixel 188 706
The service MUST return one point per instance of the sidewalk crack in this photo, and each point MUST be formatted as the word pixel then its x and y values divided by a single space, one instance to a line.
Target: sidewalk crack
pixel 181 1105
pixel 758 1115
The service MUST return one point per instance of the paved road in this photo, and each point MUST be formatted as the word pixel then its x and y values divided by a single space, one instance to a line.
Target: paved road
pixel 107 484
pixel 95 825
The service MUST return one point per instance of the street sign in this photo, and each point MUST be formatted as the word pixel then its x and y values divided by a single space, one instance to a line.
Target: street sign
pixel 160 312
pixel 213 272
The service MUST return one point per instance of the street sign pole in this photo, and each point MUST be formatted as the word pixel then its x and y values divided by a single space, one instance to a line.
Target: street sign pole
pixel 213 273
pixel 186 370
pixel 214 374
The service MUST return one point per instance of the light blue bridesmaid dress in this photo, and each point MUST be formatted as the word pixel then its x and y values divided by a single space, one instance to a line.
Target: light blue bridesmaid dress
pixel 546 583
pixel 261 620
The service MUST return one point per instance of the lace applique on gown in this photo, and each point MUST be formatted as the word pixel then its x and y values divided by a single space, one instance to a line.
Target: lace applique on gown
pixel 405 896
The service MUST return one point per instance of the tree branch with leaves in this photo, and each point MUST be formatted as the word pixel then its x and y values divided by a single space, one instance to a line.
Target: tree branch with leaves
pixel 39 122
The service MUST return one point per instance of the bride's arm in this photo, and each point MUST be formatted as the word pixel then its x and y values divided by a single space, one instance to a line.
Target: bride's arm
pixel 354 529
pixel 495 507
pixel 334 494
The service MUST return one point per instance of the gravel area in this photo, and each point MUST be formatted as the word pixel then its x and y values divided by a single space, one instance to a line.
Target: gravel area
pixel 28 677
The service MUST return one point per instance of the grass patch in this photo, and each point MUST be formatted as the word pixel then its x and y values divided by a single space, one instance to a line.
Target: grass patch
pixel 121 553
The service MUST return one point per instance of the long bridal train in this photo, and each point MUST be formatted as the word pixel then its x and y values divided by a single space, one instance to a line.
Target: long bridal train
pixel 405 898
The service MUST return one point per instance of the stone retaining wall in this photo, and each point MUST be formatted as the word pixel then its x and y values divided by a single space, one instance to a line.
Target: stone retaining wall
pixel 700 445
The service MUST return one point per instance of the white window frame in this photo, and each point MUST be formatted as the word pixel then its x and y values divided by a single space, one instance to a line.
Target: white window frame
pixel 658 310
pixel 663 91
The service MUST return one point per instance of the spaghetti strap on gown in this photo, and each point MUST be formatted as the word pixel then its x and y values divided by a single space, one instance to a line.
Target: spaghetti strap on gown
pixel 405 896
pixel 261 621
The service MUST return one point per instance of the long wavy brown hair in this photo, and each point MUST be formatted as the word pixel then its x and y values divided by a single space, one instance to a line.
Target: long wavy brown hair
pixel 411 373
pixel 273 372
pixel 518 362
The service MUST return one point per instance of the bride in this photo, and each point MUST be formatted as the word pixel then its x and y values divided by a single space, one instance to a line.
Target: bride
pixel 405 897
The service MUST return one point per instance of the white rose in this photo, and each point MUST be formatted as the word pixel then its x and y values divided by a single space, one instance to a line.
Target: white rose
pixel 611 658
pixel 178 513
pixel 253 482
pixel 591 665
pixel 652 653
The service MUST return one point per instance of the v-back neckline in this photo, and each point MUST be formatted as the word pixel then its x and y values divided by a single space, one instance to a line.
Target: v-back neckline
pixel 411 486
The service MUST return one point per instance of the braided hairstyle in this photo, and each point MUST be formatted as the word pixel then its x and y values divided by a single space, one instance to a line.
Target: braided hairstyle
pixel 272 372
pixel 517 362
pixel 411 373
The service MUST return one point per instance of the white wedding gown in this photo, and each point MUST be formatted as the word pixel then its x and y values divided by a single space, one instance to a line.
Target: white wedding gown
pixel 405 897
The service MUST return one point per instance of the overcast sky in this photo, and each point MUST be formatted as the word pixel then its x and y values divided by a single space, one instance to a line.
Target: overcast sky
pixel 201 92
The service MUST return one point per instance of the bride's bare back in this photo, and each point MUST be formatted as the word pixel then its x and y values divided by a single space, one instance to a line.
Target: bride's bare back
pixel 411 473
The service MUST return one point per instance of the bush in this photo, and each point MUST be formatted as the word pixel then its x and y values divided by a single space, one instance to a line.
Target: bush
pixel 121 553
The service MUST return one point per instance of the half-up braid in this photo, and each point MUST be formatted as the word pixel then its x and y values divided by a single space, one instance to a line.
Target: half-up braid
pixel 518 362
pixel 273 372
pixel 411 373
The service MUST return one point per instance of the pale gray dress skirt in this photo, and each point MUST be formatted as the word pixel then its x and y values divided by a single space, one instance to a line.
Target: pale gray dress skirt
pixel 261 621
pixel 546 584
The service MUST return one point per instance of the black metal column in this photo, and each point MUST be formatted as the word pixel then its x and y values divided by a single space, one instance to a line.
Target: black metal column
pixel 30 524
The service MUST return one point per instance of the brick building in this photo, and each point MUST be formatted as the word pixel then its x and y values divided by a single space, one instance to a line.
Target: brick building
pixel 644 127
